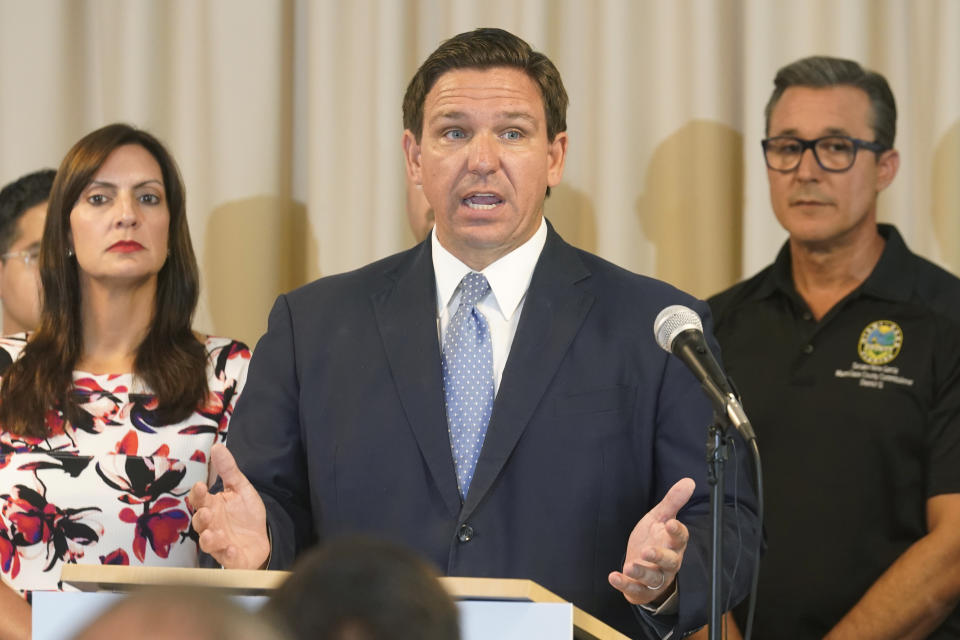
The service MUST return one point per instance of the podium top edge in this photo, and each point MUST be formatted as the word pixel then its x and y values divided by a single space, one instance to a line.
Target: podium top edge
pixel 93 577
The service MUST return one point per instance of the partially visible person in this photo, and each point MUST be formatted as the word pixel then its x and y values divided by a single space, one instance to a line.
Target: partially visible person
pixel 847 352
pixel 364 589
pixel 179 613
pixel 419 211
pixel 23 209
pixel 109 410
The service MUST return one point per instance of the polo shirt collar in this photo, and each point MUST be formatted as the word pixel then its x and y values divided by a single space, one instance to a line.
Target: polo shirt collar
pixel 891 278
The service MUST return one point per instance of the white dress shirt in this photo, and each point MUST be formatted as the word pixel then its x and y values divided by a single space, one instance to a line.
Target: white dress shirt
pixel 509 278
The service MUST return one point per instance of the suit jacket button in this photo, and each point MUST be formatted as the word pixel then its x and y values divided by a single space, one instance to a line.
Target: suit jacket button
pixel 465 533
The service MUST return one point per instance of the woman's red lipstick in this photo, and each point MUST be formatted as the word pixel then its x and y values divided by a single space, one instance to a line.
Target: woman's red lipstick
pixel 126 246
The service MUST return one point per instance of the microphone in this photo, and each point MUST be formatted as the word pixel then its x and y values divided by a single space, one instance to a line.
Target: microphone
pixel 678 330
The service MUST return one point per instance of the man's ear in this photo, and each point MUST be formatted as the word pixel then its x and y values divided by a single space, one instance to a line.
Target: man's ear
pixel 556 158
pixel 411 154
pixel 887 165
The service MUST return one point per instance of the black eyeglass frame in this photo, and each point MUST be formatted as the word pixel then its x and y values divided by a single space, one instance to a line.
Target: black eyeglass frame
pixel 858 144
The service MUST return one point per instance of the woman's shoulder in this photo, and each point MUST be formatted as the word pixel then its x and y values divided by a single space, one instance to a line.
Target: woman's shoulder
pixel 216 344
pixel 228 358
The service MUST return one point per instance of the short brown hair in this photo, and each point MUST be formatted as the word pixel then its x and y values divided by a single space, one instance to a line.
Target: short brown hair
pixel 487 48
pixel 368 588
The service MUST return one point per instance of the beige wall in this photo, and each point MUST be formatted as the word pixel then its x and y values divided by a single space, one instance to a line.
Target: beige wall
pixel 285 118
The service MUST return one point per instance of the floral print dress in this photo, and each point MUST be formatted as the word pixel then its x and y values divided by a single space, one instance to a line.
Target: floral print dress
pixel 111 488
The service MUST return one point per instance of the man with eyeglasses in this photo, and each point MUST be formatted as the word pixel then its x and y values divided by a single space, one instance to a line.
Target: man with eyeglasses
pixel 23 211
pixel 847 353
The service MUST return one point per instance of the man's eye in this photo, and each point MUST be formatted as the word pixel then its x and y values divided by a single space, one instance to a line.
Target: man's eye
pixel 512 135
pixel 788 148
pixel 454 134
pixel 838 146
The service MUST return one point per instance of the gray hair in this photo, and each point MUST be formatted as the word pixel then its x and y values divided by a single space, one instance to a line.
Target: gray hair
pixel 824 71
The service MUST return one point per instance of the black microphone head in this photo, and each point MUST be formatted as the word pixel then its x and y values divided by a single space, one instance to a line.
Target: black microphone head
pixel 673 321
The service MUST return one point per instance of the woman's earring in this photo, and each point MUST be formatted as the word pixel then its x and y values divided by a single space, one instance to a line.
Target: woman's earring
pixel 69 252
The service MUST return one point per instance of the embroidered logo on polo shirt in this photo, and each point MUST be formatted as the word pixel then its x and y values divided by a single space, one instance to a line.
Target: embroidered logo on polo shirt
pixel 880 342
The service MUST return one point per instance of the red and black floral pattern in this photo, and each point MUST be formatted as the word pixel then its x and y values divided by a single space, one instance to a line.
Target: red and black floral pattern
pixel 110 488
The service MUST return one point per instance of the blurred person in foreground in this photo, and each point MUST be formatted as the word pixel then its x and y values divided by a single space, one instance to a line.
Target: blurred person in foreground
pixel 847 352
pixel 485 398
pixel 364 589
pixel 109 410
pixel 23 210
pixel 179 613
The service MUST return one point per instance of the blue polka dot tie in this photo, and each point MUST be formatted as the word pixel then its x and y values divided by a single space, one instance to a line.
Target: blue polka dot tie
pixel 468 378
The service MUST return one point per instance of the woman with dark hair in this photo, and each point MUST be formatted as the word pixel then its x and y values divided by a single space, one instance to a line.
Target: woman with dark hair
pixel 109 410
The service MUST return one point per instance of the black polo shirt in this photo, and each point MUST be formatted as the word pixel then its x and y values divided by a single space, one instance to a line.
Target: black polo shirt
pixel 858 423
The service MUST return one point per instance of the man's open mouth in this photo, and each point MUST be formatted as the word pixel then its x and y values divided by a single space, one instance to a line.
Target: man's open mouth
pixel 482 201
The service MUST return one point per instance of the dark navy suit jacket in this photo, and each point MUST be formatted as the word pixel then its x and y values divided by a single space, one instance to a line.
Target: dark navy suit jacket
pixel 341 428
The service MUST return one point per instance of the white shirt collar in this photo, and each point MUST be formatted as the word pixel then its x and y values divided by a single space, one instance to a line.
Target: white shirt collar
pixel 509 276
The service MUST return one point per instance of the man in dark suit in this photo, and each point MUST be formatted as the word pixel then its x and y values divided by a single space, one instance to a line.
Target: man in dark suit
pixel 493 397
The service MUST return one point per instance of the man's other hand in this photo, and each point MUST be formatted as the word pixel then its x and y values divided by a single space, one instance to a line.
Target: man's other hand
pixel 232 524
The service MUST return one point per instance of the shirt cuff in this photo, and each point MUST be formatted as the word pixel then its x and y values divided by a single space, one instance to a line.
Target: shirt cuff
pixel 661 627
pixel 666 608
pixel 661 620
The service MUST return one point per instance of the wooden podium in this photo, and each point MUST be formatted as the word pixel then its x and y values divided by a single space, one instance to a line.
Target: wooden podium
pixel 491 596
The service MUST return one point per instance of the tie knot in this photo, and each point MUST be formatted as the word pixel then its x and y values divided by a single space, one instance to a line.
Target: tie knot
pixel 473 287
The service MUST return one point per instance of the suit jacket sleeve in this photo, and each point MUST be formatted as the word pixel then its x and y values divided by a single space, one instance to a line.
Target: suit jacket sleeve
pixel 265 438
pixel 676 442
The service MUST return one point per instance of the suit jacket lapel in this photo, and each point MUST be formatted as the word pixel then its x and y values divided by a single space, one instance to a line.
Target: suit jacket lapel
pixel 553 311
pixel 406 312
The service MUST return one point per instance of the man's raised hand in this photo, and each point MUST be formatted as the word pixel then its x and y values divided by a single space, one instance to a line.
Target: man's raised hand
pixel 233 523
pixel 655 550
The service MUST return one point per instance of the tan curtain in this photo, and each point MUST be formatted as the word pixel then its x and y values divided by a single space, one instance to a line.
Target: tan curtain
pixel 285 119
